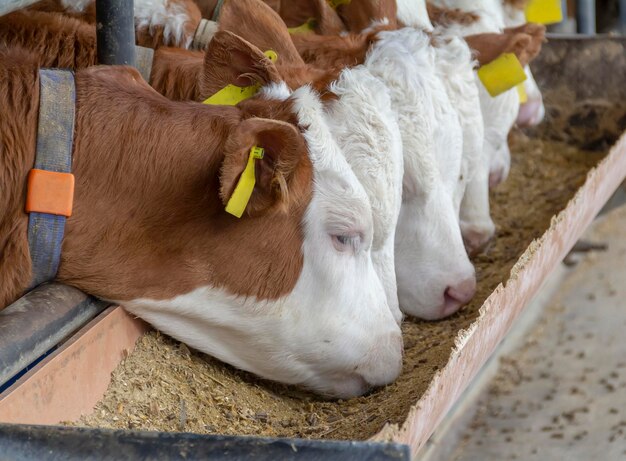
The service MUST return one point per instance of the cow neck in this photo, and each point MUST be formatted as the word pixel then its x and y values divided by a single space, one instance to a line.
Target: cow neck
pixel 176 73
pixel 148 220
pixel 18 134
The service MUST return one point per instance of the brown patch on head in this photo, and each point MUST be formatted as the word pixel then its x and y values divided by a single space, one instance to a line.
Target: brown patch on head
pixel 537 33
pixel 258 24
pixel 290 65
pixel 359 15
pixel 206 7
pixel 440 16
pixel 297 12
pixel 488 47
pixel 230 59
pixel 318 79
pixel 336 51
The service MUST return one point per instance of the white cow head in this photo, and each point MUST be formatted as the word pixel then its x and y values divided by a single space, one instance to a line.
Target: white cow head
pixel 435 277
pixel 334 332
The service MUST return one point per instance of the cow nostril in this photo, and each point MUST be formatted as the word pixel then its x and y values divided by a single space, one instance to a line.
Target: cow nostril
pixel 462 292
pixel 476 239
pixel 495 178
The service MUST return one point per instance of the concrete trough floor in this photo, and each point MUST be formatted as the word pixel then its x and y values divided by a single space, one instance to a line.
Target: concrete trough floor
pixel 559 391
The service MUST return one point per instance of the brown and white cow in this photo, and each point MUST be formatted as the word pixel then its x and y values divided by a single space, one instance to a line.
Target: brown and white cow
pixel 287 292
pixel 360 115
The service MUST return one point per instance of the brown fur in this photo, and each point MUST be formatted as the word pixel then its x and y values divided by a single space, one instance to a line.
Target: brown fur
pixel 57 40
pixel 487 47
pixel 336 51
pixel 537 32
pixel 447 16
pixel 55 6
pixel 152 177
pixel 19 99
pixel 359 14
pixel 297 12
pixel 231 60
pixel 257 23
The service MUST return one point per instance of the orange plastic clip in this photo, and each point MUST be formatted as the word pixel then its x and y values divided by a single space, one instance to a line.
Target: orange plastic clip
pixel 50 192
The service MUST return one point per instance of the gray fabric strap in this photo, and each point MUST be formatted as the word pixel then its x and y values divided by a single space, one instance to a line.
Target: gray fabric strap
pixel 143 59
pixel 217 11
pixel 55 139
pixel 204 34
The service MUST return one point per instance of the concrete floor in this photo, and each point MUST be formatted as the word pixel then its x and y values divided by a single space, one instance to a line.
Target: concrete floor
pixel 560 392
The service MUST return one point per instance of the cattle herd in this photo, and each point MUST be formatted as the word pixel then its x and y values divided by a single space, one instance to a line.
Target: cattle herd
pixel 355 138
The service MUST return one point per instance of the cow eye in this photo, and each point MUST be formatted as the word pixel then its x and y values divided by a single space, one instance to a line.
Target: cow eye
pixel 347 242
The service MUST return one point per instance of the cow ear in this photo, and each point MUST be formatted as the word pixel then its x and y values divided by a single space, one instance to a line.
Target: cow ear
pixel 279 176
pixel 327 20
pixel 231 60
pixel 487 47
pixel 537 32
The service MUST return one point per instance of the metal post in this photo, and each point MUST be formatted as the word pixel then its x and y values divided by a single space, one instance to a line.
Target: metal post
pixel 115 26
pixel 622 16
pixel 586 16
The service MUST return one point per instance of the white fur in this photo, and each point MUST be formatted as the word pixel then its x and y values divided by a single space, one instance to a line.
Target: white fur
pixel 455 67
pixel 500 113
pixel 367 132
pixel 173 16
pixel 334 333
pixel 429 249
pixel 413 13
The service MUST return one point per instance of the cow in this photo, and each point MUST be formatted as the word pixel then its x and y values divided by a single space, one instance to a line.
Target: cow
pixel 500 113
pixel 287 292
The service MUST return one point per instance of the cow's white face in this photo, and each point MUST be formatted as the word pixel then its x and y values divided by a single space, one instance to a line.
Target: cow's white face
pixel 429 249
pixel 532 112
pixel 366 129
pixel 499 115
pixel 455 66
pixel 334 332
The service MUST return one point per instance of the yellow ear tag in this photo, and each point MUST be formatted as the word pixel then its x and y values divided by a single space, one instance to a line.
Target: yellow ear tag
pixel 544 11
pixel 243 190
pixel 335 3
pixel 501 74
pixel 308 26
pixel 521 91
pixel 231 95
